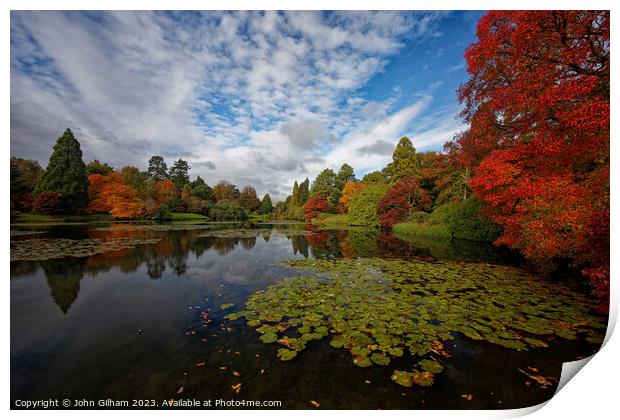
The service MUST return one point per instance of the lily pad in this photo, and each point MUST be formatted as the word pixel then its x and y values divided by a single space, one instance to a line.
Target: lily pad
pixel 431 366
pixel 380 359
pixel 286 354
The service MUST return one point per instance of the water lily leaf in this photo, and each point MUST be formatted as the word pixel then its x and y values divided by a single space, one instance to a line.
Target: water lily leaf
pixel 286 354
pixel 227 305
pixel 403 378
pixel 269 338
pixel 431 366
pixel 380 359
pixel 362 361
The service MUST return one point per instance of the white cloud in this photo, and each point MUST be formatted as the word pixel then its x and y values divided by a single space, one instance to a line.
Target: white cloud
pixel 255 98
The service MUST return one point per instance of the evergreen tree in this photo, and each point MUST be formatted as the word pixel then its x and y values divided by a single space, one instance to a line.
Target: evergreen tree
pixel 294 196
pixel 179 173
pixel 344 175
pixel 304 192
pixel 198 182
pixel 158 170
pixel 265 206
pixel 404 161
pixel 66 173
pixel 324 183
pixel 96 167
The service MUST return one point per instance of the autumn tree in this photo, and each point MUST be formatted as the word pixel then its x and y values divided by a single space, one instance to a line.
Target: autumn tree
pixel 350 190
pixel 248 198
pixel 165 191
pixel 109 194
pixel 158 170
pixel 66 173
pixel 224 190
pixel 24 175
pixel 404 197
pixel 315 206
pixel 537 103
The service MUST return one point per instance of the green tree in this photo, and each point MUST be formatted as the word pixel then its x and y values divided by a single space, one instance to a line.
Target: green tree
pixel 363 207
pixel 179 173
pixel 204 192
pixel 197 182
pixel 66 173
pixel 265 206
pixel 158 170
pixel 304 192
pixel 376 177
pixel 404 161
pixel 96 167
pixel 344 174
pixel 294 196
pixel 136 179
pixel 325 185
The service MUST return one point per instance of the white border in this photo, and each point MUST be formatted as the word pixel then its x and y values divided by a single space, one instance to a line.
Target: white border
pixel 593 393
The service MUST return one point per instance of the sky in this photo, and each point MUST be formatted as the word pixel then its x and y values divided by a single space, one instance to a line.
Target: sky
pixel 256 98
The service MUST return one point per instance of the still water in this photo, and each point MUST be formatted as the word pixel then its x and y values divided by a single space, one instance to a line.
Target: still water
pixel 130 324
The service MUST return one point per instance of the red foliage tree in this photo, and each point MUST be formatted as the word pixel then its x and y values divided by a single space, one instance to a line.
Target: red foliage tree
pixel 48 202
pixel 401 199
pixel 537 103
pixel 315 206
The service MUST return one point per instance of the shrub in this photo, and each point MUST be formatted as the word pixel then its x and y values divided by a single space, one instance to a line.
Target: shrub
pixel 227 210
pixel 363 207
pixel 465 222
pixel 162 214
pixel 48 202
pixel 419 217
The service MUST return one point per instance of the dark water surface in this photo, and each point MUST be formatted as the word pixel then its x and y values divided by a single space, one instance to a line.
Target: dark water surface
pixel 127 325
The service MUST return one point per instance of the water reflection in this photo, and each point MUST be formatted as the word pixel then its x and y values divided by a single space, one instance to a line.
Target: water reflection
pixel 175 247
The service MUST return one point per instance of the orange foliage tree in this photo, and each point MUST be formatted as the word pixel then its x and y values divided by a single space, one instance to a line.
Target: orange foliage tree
pixel 350 190
pixel 165 191
pixel 108 194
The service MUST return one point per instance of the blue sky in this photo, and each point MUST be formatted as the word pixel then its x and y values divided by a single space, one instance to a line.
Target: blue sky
pixel 258 98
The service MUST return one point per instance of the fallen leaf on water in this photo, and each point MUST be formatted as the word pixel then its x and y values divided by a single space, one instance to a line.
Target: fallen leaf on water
pixel 262 371
pixel 180 390
pixel 200 364
pixel 237 353
pixel 237 387
pixel 533 369
pixel 236 373
pixel 468 397
pixel 367 381
pixel 315 404
pixel 223 368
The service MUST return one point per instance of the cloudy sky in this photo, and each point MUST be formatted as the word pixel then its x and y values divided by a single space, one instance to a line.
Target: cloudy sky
pixel 255 98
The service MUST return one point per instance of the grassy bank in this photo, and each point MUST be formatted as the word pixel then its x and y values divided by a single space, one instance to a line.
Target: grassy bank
pixel 177 217
pixel 426 230
pixel 331 220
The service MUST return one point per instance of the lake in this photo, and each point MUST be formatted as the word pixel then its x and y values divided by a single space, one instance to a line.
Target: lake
pixel 96 316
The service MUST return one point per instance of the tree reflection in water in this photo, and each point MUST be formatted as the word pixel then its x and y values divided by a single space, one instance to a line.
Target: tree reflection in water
pixel 174 248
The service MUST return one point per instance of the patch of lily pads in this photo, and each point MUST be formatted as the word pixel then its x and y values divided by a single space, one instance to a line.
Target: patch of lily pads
pixel 47 249
pixel 16 233
pixel 158 228
pixel 252 233
pixel 379 310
